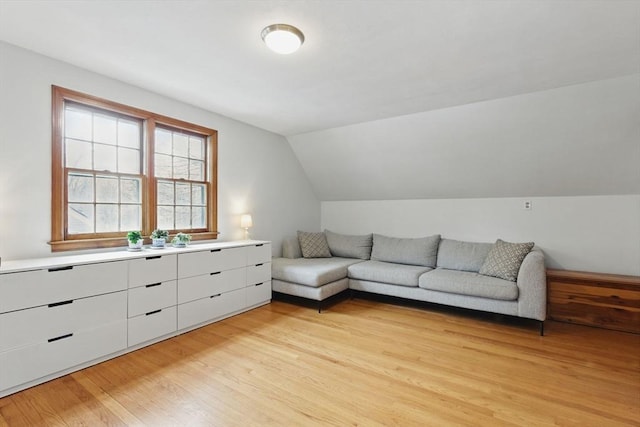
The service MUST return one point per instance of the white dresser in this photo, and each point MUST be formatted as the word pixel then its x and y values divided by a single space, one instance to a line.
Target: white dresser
pixel 61 314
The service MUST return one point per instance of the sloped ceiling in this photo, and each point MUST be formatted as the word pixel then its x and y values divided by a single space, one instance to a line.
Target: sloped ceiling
pixel 362 60
pixel 387 99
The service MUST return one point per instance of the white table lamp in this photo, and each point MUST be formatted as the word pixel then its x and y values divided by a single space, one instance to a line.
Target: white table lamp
pixel 246 222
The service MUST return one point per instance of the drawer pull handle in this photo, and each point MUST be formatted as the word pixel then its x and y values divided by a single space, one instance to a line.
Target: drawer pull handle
pixel 152 312
pixel 56 304
pixel 261 244
pixel 216 250
pixel 61 337
pixel 153 257
pixel 258 265
pixel 217 272
pixel 214 296
pixel 259 284
pixel 153 284
pixel 52 270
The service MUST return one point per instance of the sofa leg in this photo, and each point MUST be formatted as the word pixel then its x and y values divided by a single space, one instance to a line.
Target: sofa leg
pixel 319 307
pixel 542 328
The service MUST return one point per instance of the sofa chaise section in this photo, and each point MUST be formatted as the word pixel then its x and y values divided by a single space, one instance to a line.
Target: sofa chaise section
pixel 312 278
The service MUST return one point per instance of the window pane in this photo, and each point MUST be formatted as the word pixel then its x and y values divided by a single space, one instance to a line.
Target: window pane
pixel 106 218
pixel 165 217
pixel 163 166
pixel 165 193
pixel 196 170
pixel 199 194
pixel 106 189
pixel 130 217
pixel 78 154
pixel 104 129
pixel 80 218
pixel 104 158
pixel 198 217
pixel 183 217
pixel 128 133
pixel 130 190
pixel 196 147
pixel 77 124
pixel 180 168
pixel 80 188
pixel 163 141
pixel 183 194
pixel 180 145
pixel 128 161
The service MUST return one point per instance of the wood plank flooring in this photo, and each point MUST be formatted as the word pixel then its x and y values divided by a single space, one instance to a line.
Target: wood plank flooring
pixel 360 362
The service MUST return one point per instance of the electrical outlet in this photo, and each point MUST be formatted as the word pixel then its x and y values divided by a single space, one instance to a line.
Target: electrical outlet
pixel 527 205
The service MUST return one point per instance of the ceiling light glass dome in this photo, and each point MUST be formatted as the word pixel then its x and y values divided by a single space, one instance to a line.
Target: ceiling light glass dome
pixel 282 38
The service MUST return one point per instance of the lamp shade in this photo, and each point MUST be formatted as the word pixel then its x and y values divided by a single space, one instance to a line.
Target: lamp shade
pixel 246 221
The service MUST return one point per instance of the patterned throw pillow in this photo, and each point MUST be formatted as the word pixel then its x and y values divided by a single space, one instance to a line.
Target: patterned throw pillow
pixel 504 259
pixel 313 245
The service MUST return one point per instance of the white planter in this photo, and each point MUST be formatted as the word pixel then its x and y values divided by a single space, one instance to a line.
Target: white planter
pixel 158 243
pixel 136 245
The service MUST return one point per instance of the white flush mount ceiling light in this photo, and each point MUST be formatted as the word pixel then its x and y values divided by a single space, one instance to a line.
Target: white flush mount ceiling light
pixel 282 38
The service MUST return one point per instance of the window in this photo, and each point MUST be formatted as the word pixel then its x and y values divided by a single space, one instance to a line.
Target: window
pixel 117 168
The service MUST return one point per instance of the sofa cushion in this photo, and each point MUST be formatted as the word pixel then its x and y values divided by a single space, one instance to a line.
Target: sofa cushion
pixel 504 259
pixel 422 251
pixel 349 246
pixel 469 283
pixel 464 256
pixel 385 272
pixel 291 248
pixel 310 271
pixel 313 245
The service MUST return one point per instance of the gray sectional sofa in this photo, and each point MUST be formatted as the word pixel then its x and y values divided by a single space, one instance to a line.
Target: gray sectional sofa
pixel 499 277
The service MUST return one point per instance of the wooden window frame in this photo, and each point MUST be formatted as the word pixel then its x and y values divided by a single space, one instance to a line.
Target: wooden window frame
pixel 60 241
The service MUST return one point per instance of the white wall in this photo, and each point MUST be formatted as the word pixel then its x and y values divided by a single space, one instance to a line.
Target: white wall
pixel 257 170
pixel 593 233
pixel 572 141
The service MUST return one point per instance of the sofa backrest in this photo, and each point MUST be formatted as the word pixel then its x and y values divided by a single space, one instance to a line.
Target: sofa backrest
pixel 349 245
pixel 463 256
pixel 291 248
pixel 421 251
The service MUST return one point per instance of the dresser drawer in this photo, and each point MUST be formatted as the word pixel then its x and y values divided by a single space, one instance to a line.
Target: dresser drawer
pixel 152 269
pixel 41 287
pixel 144 299
pixel 152 325
pixel 35 325
pixel 258 254
pixel 208 309
pixel 32 362
pixel 211 261
pixel 193 288
pixel 258 273
pixel 259 293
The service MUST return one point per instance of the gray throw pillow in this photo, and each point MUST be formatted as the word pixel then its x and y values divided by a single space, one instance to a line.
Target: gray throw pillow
pixel 504 259
pixel 313 245
pixel 422 251
pixel 349 246
pixel 291 248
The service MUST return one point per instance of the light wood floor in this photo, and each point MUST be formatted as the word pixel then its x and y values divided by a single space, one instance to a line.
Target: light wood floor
pixel 360 362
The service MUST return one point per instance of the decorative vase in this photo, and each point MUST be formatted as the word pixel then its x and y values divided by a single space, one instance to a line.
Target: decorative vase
pixel 158 243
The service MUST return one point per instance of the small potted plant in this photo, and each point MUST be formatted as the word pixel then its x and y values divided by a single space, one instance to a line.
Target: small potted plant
pixel 135 240
pixel 181 240
pixel 159 238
